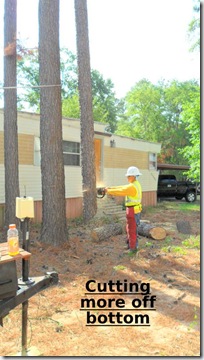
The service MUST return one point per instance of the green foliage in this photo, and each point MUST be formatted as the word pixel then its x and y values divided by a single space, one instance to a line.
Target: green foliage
pixel 174 249
pixel 188 207
pixel 194 28
pixel 193 242
pixel 155 113
pixel 148 244
pixel 195 321
pixel 132 253
pixel 176 96
pixel 28 81
pixel 178 249
pixel 191 118
pixel 74 223
pixel 143 112
pixel 106 106
pixel 119 267
pixel 69 77
pixel 168 240
pixel 70 107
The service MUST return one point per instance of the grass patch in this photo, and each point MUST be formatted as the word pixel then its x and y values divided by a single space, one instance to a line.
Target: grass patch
pixel 193 323
pixel 174 249
pixel 148 210
pixel 171 205
pixel 72 223
pixel 148 244
pixel 168 240
pixel 119 267
pixel 132 252
pixel 188 207
pixel 193 242
pixel 178 250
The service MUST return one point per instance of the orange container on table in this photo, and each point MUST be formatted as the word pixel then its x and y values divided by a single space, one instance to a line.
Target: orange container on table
pixel 13 240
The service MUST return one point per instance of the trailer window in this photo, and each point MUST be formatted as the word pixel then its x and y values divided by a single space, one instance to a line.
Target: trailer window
pixel 152 161
pixel 71 153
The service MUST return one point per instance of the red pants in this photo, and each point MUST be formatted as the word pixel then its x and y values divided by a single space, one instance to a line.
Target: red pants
pixel 131 227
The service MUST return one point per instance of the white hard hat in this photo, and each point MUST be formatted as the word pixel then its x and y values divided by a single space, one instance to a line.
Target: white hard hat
pixel 133 171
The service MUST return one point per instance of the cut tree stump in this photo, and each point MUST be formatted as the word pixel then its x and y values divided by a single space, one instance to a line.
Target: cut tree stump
pixel 184 227
pixel 151 231
pixel 106 231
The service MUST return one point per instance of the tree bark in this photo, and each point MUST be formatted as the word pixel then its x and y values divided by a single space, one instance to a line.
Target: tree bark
pixel 86 116
pixel 10 113
pixel 105 232
pixel 54 230
pixel 151 231
pixel 184 227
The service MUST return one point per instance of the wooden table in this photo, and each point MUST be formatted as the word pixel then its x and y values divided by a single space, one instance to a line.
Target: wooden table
pixel 5 257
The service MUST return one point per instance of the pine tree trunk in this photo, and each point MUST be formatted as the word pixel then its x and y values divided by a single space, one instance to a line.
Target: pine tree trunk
pixel 10 114
pixel 86 116
pixel 54 229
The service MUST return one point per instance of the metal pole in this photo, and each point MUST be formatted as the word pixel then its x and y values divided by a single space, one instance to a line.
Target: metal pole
pixel 25 274
pixel 25 263
pixel 24 328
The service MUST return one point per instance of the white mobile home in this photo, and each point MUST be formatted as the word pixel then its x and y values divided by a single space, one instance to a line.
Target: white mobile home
pixel 114 154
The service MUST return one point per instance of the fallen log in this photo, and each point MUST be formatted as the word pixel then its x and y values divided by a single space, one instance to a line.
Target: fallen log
pixel 106 231
pixel 151 231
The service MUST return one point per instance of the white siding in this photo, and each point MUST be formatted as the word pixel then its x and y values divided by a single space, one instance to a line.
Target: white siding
pixel 29 123
pixel 30 181
pixel 73 181
pixel 134 144
pixel 2 184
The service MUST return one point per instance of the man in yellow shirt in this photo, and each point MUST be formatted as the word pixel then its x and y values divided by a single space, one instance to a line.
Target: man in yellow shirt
pixel 133 200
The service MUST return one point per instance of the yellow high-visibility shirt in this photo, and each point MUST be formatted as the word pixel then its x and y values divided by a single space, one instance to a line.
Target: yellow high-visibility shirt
pixel 129 190
pixel 123 190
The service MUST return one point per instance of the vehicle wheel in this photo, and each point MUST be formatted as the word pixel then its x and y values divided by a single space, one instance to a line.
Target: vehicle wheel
pixel 179 197
pixel 190 196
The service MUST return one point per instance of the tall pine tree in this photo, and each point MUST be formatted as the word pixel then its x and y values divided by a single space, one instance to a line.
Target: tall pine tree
pixel 54 230
pixel 86 113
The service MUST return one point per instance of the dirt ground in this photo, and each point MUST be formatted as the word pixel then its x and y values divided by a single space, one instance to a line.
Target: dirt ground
pixel 57 326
